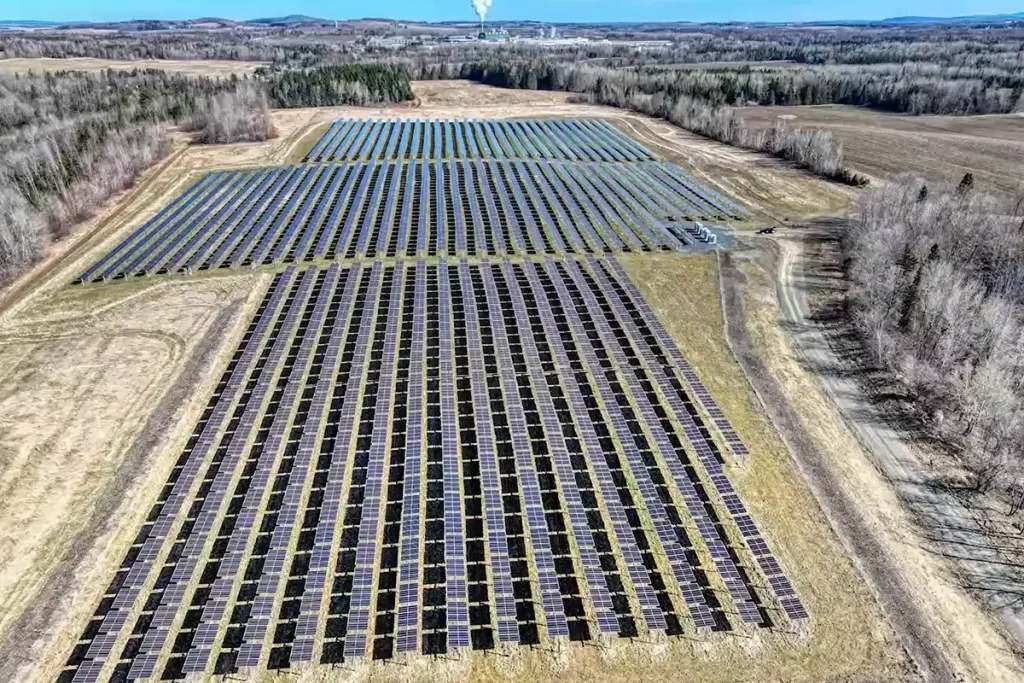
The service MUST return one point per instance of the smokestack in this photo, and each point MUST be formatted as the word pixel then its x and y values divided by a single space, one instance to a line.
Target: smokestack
pixel 481 7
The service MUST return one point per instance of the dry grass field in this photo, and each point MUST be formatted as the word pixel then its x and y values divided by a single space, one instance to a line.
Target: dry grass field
pixel 849 638
pixel 198 67
pixel 101 384
pixel 94 383
pixel 936 147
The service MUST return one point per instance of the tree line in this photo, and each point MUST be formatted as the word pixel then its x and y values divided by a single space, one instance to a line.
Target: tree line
pixel 817 151
pixel 911 89
pixel 937 294
pixel 324 86
pixel 70 140
pixel 179 45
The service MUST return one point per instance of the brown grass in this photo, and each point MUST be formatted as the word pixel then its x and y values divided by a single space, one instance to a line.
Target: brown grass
pixel 84 370
pixel 936 147
pixel 188 67
pixel 848 636
pixel 468 94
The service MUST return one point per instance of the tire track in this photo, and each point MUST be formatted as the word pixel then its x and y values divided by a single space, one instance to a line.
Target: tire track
pixel 866 548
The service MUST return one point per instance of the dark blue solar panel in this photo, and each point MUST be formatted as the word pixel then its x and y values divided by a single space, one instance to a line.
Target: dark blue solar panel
pixel 699 610
pixel 554 616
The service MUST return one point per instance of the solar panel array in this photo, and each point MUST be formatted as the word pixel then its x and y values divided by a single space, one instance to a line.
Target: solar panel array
pixel 434 457
pixel 314 212
pixel 540 139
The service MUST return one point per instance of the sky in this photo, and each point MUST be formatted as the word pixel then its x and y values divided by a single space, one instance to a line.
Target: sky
pixel 502 10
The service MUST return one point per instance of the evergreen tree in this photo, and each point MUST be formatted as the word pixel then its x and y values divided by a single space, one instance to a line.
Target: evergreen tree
pixel 907 261
pixel 909 303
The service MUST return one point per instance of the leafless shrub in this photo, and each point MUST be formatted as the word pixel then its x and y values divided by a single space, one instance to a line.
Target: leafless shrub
pixel 111 168
pixel 40 200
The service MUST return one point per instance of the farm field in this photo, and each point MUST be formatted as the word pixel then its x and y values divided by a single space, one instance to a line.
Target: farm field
pixel 197 67
pixel 455 444
pixel 935 147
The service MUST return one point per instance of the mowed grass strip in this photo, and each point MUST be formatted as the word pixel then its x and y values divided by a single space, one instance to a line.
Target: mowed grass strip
pixel 846 632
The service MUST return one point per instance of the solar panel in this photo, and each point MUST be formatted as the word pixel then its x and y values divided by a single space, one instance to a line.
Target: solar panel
pixel 698 608
pixel 316 210
pixel 544 373
pixel 163 619
pixel 554 615
pixel 679 363
pixel 310 605
pixel 735 585
pixel 273 565
pixel 626 541
pixel 409 557
pixel 358 617
pixel 497 543
pixel 129 592
pixel 598 590
pixel 229 209
pixel 117 261
pixel 746 526
pixel 454 538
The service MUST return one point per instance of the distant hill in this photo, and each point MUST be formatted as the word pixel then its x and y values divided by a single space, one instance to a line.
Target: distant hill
pixel 290 20
pixel 976 19
pixel 26 23
pixel 295 21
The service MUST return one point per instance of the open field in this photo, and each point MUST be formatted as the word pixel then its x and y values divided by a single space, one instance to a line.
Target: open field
pixel 198 67
pixel 502 460
pixel 454 96
pixel 935 147
pixel 82 409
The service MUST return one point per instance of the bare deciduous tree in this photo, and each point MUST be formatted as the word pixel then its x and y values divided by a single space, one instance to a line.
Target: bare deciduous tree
pixel 958 342
pixel 241 115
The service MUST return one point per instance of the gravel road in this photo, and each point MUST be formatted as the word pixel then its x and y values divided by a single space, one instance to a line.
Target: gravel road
pixel 951 524
pixel 857 534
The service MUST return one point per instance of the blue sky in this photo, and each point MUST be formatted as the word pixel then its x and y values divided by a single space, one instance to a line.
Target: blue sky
pixel 542 10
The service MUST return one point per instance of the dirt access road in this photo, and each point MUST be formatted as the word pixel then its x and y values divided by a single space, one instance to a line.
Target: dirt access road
pixel 936 527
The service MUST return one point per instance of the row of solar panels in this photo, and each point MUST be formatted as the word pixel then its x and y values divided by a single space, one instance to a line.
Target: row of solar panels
pixel 266 551
pixel 303 213
pixel 589 140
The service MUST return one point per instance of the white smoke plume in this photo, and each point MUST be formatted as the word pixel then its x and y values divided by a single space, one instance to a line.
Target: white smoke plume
pixel 481 7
